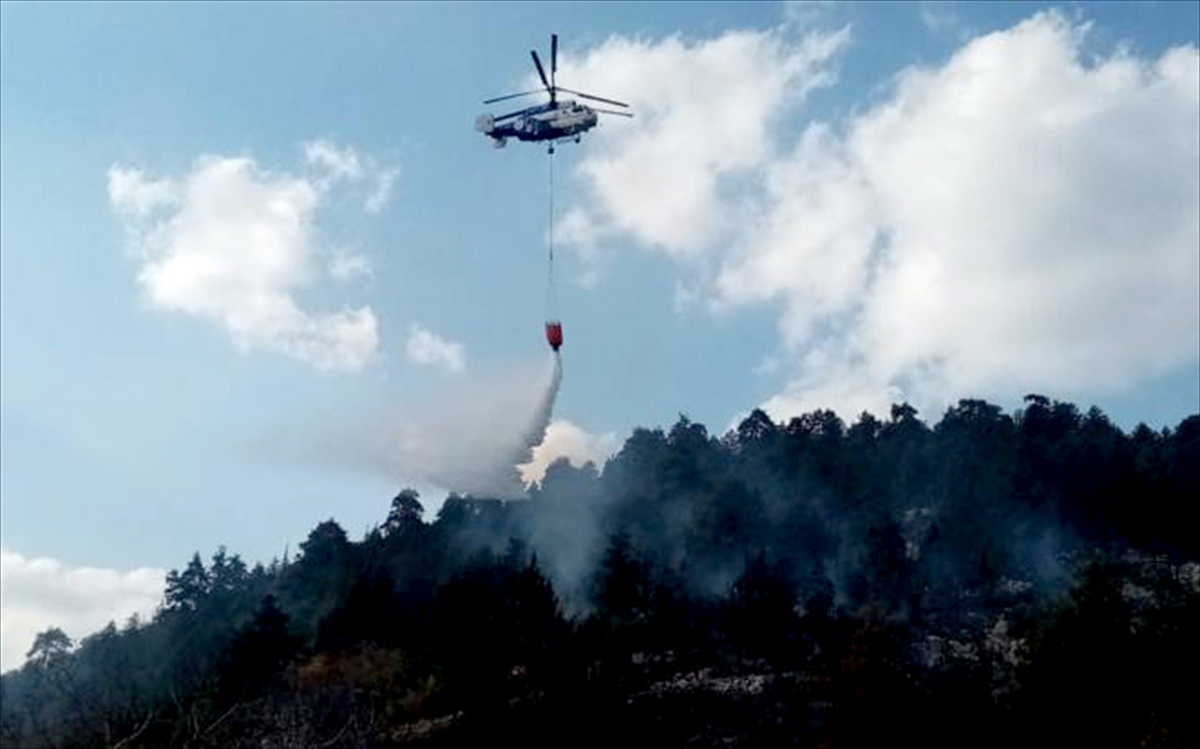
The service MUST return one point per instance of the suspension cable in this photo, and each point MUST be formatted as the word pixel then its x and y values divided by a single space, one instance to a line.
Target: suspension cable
pixel 551 294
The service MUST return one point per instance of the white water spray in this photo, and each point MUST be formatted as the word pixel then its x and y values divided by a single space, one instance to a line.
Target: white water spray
pixel 541 417
pixel 498 476
pixel 466 436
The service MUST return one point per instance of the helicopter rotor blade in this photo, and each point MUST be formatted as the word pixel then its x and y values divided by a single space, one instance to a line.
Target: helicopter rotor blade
pixel 511 96
pixel 541 72
pixel 534 111
pixel 509 115
pixel 553 57
pixel 596 98
pixel 611 111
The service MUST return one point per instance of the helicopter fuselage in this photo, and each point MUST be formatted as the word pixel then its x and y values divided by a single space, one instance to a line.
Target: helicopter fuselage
pixel 546 122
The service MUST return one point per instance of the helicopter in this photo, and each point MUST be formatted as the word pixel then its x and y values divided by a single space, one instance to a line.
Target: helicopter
pixel 553 121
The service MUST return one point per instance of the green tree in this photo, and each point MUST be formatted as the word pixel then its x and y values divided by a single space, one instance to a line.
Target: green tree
pixel 887 569
pixel 227 574
pixel 187 589
pixel 258 652
pixel 760 614
pixel 404 517
pixel 622 587
pixel 316 584
pixel 1082 683
pixel 50 648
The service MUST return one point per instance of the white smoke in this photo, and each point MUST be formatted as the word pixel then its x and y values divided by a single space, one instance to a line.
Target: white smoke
pixel 566 440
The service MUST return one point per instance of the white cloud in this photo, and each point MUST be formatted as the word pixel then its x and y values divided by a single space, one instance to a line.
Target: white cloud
pixel 578 230
pixel 804 14
pixel 234 243
pixel 332 162
pixel 938 16
pixel 812 243
pixel 347 265
pixel 1033 224
pixel 1022 217
pixel 136 197
pixel 705 114
pixel 564 439
pixel 39 593
pixel 427 348
pixel 378 198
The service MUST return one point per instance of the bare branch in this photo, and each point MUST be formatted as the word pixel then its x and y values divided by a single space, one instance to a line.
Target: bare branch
pixel 219 720
pixel 137 732
pixel 338 737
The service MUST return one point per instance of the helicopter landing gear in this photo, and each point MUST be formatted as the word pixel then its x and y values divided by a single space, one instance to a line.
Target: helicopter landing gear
pixel 577 138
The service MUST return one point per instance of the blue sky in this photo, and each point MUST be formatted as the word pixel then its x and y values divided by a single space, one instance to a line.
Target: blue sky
pixel 816 204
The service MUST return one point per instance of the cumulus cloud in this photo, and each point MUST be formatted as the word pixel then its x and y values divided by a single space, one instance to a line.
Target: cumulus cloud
pixel 136 197
pixel 427 348
pixel 332 162
pixel 347 265
pixel 39 593
pixel 1021 217
pixel 564 439
pixel 382 191
pixel 939 16
pixel 1032 223
pixel 234 243
pixel 705 116
pixel 803 14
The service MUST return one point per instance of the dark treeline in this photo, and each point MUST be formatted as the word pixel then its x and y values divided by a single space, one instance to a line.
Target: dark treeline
pixel 995 580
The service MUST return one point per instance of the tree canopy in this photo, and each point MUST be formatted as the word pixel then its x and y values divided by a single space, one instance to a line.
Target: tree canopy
pixel 987 579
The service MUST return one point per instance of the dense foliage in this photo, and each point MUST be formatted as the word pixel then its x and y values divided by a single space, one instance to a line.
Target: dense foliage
pixel 996 580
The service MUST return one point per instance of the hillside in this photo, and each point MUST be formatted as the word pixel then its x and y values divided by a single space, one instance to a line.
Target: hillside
pixel 991 580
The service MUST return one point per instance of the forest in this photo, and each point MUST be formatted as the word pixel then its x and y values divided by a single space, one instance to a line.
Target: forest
pixel 993 580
